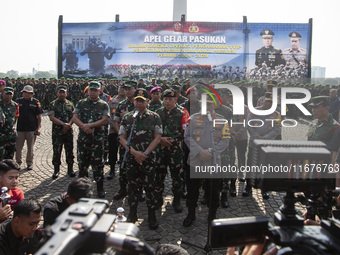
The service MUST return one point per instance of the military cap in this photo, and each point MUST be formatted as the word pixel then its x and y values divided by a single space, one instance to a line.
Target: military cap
pixel 267 34
pixel 61 88
pixel 193 88
pixel 187 79
pixel 94 85
pixel 28 89
pixel 2 82
pixel 141 93
pixel 148 87
pixel 295 35
pixel 272 83
pixel 62 78
pixel 130 84
pixel 315 101
pixel 176 87
pixel 169 93
pixel 141 79
pixel 156 89
pixel 153 79
pixel 8 90
pixel 268 96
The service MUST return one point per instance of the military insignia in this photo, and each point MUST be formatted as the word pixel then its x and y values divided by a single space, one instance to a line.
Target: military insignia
pixel 38 103
pixel 172 94
pixel 113 110
pixel 294 35
pixel 140 92
pixel 198 139
pixel 266 32
pixel 177 27
pixel 193 28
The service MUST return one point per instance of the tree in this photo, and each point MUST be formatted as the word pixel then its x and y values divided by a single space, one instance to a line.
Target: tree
pixel 42 74
pixel 12 74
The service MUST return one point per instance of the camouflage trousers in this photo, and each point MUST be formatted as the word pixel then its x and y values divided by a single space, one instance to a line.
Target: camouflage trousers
pixel 173 158
pixel 122 171
pixel 7 149
pixel 228 158
pixel 59 140
pixel 139 177
pixel 90 154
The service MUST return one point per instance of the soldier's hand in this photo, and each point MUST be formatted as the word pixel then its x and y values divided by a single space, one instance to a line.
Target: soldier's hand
pixel 5 212
pixel 66 127
pixel 139 156
pixel 205 155
pixel 86 128
pixel 166 141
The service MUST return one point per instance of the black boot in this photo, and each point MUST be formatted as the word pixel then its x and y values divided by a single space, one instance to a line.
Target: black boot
pixel 56 172
pixel 176 203
pixel 265 195
pixel 224 200
pixel 112 172
pixel 153 224
pixel 120 194
pixel 100 189
pixel 247 191
pixel 132 217
pixel 232 190
pixel 70 171
pixel 191 217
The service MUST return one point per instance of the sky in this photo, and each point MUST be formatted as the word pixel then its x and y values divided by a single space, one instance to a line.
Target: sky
pixel 29 28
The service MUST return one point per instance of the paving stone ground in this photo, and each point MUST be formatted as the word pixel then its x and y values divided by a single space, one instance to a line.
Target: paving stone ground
pixel 38 184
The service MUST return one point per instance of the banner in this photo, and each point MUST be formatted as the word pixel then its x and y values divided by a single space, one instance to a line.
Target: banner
pixel 197 50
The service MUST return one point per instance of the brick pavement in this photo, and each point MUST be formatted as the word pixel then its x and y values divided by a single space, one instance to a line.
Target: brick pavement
pixel 38 183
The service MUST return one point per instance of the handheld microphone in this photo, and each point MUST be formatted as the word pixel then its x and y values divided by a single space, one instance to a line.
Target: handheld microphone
pixel 135 114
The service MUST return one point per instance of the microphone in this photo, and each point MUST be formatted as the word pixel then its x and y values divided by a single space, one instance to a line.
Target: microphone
pixel 128 244
pixel 209 116
pixel 135 114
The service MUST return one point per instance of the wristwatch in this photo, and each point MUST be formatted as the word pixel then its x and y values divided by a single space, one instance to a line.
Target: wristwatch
pixel 146 152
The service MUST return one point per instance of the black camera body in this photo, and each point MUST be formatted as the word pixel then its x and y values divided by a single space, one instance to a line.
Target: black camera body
pixel 85 228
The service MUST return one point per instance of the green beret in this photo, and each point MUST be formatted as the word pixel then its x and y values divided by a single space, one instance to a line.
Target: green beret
pixel 130 84
pixel 94 85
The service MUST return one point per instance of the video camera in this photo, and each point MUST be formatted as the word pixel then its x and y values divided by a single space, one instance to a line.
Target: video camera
pixel 85 228
pixel 289 230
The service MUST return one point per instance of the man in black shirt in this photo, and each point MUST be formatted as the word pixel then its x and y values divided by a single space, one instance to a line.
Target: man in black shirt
pixel 29 123
pixel 19 236
pixel 77 189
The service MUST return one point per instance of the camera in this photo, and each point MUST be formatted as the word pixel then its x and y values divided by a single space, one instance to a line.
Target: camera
pixel 86 227
pixel 289 230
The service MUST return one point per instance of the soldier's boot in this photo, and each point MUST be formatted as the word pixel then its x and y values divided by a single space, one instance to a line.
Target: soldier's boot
pixel 153 224
pixel 132 217
pixel 176 203
pixel 224 200
pixel 56 172
pixel 70 171
pixel 122 192
pixel 191 217
pixel 212 214
pixel 232 190
pixel 247 191
pixel 112 172
pixel 100 189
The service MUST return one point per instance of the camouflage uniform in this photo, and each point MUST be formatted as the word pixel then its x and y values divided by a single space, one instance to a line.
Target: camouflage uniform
pixel 63 111
pixel 8 134
pixel 172 122
pixel 147 124
pixel 154 106
pixel 125 105
pixel 90 146
pixel 322 130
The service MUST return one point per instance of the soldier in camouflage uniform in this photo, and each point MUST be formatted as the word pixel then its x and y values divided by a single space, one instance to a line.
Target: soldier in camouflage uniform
pixel 174 121
pixel 141 161
pixel 8 133
pixel 60 113
pixel 324 126
pixel 124 107
pixel 40 92
pixel 180 99
pixel 156 101
pixel 90 115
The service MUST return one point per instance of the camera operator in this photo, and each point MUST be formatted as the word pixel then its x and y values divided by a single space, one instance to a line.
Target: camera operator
pixel 19 236
pixel 9 175
pixel 77 189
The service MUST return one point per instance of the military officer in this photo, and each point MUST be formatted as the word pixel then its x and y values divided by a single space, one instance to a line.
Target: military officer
pixel 174 121
pixel 324 126
pixel 156 101
pixel 268 54
pixel 60 112
pixel 8 134
pixel 123 107
pixel 198 137
pixel 295 55
pixel 91 115
pixel 141 161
